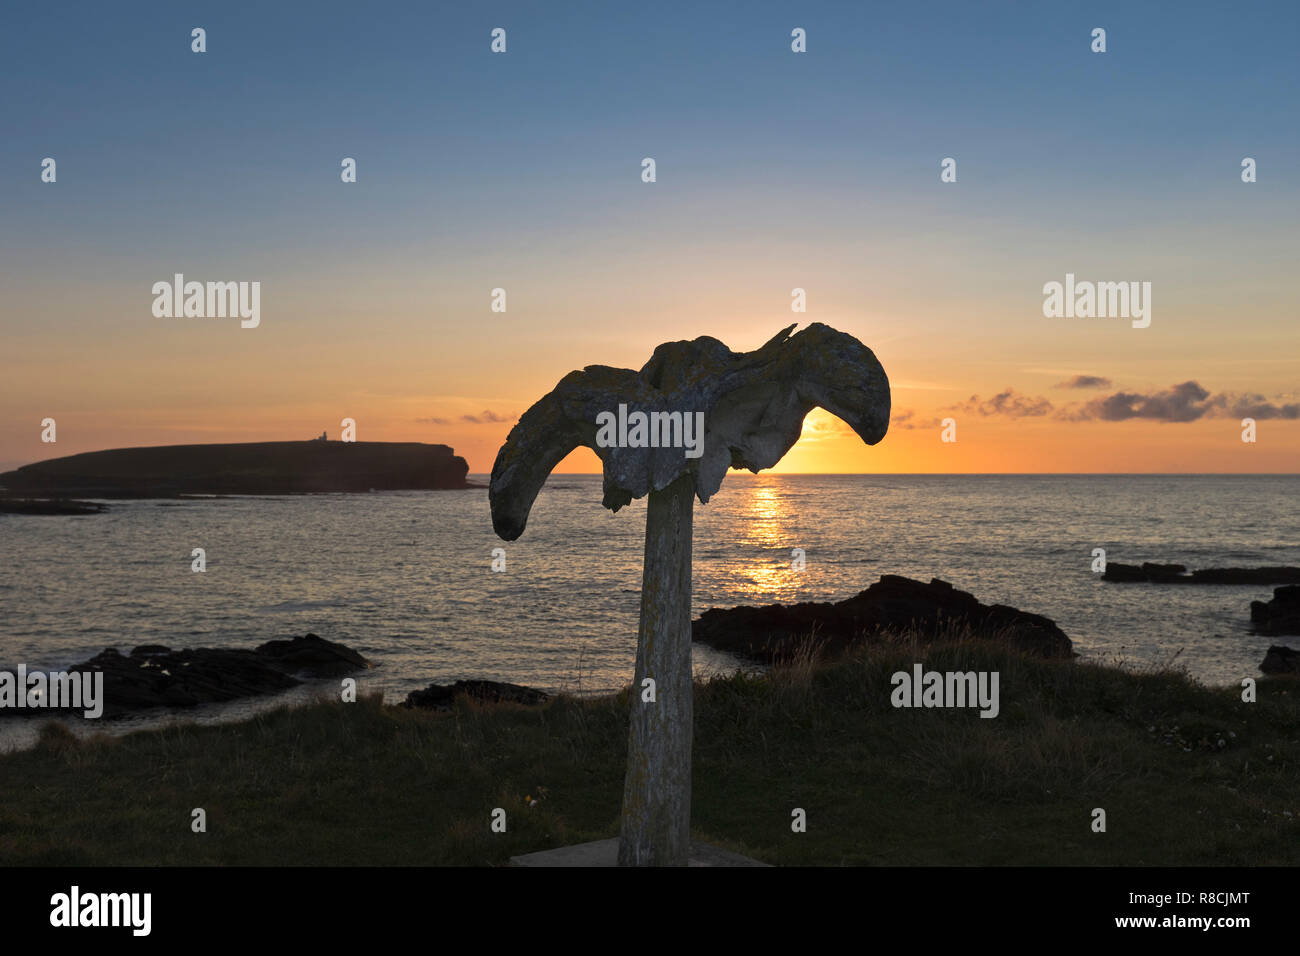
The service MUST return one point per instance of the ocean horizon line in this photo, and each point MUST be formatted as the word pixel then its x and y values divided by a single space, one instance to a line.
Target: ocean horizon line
pixel 970 474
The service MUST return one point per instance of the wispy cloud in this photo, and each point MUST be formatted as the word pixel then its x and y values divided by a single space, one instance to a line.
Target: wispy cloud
pixel 1188 401
pixel 1185 402
pixel 1252 406
pixel 1180 403
pixel 1085 381
pixel 905 418
pixel 486 417
pixel 1006 404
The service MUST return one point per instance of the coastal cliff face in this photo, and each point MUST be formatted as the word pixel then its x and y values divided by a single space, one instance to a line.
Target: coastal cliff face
pixel 254 468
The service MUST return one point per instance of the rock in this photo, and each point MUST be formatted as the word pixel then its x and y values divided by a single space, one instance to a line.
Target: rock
pixel 893 604
pixel 148 650
pixel 313 656
pixel 441 696
pixel 48 506
pixel 1149 573
pixel 156 676
pixel 1281 660
pixel 1280 615
pixel 1129 572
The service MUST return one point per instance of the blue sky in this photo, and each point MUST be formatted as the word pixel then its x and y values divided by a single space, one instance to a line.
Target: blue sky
pixel 477 170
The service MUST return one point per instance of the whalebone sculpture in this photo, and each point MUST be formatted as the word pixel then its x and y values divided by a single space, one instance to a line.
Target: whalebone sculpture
pixel 753 405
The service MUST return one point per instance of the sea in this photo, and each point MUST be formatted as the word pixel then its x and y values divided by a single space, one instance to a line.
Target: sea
pixel 407 578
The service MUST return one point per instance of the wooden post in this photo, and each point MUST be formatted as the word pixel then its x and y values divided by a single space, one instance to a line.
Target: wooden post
pixel 656 828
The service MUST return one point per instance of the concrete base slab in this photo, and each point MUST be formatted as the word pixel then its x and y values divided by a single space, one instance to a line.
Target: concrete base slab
pixel 605 853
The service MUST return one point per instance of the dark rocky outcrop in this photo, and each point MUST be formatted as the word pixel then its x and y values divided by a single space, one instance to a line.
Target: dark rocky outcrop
pixel 1281 660
pixel 153 675
pixel 1280 615
pixel 253 468
pixel 442 696
pixel 893 604
pixel 312 656
pixel 47 506
pixel 1149 573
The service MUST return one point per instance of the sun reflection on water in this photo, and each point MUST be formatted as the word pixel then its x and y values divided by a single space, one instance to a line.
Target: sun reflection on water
pixel 765 527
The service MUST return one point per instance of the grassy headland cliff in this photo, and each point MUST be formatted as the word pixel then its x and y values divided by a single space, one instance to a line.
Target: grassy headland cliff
pixel 253 468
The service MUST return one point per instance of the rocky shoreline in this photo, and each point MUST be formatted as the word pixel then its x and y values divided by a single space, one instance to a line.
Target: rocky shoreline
pixel 153 676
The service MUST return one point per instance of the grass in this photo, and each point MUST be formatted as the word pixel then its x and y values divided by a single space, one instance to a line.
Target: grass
pixel 1187 775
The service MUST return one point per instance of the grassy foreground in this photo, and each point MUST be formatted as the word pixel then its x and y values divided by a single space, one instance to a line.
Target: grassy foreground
pixel 1186 775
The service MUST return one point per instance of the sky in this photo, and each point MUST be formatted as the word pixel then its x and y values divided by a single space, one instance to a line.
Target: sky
pixel 775 170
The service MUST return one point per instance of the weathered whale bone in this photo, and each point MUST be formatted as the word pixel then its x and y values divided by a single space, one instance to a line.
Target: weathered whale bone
pixel 754 404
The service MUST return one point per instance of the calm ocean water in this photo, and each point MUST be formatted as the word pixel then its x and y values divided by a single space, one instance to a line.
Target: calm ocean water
pixel 405 577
